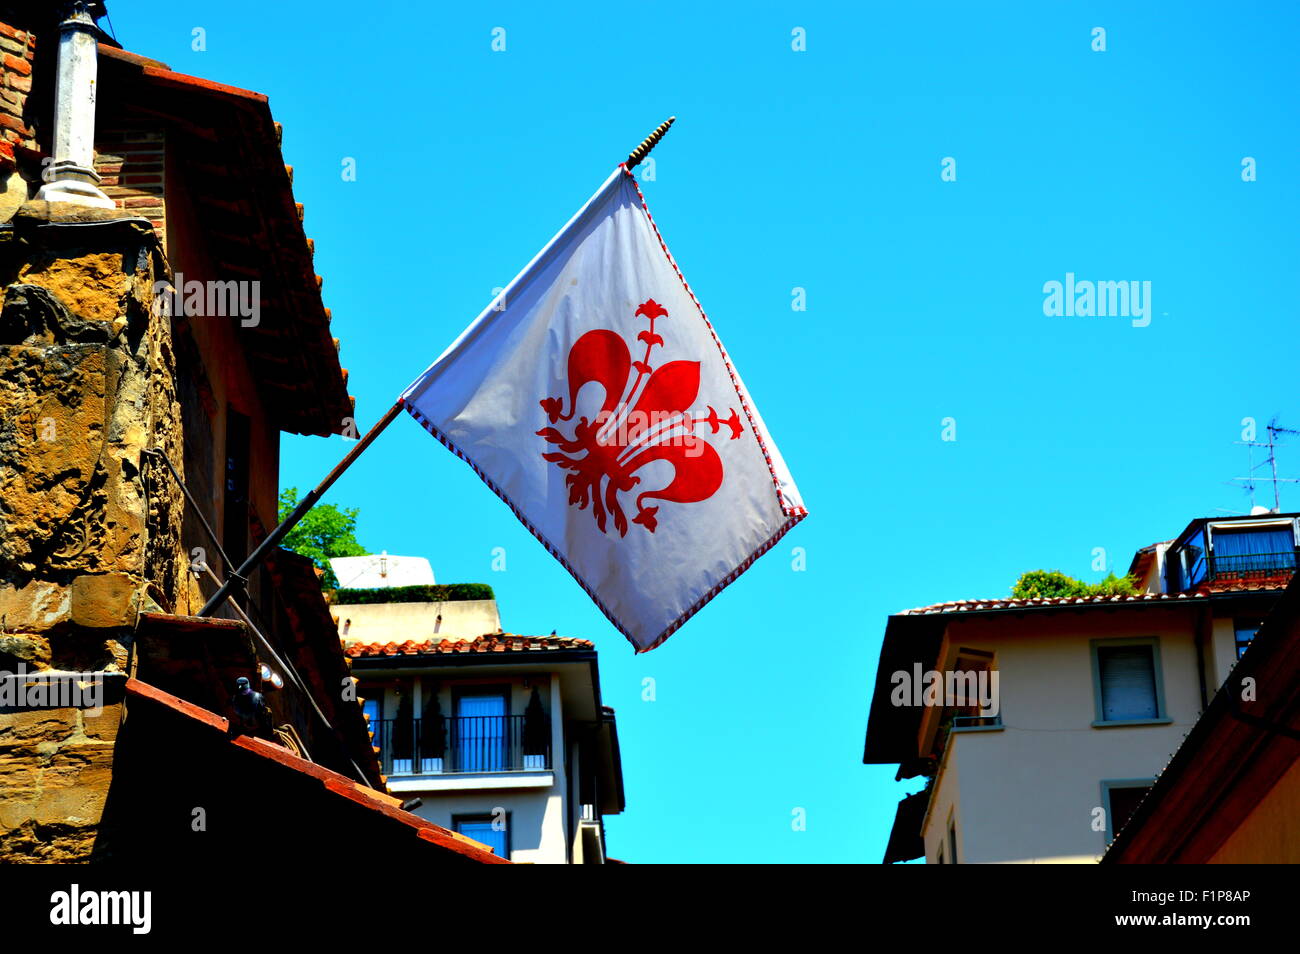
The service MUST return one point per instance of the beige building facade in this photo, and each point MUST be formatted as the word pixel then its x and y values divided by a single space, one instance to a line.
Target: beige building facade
pixel 500 737
pixel 1092 694
pixel 1231 793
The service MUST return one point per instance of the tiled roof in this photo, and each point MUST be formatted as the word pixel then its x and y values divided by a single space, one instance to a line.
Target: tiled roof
pixel 975 606
pixel 1144 557
pixel 313 651
pixel 333 786
pixel 491 643
pixel 227 143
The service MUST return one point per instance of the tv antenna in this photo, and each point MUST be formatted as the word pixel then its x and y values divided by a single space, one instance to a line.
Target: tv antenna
pixel 1275 432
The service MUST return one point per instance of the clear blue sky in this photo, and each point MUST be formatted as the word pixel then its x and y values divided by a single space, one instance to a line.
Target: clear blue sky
pixel 818 169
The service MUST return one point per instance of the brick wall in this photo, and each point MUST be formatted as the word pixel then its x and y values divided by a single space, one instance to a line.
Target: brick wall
pixel 129 160
pixel 130 163
pixel 17 48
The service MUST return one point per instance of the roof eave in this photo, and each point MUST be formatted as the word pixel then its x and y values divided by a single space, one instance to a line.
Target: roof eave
pixel 293 356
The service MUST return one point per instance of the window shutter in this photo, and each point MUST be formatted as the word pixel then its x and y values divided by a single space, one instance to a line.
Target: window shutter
pixel 1128 685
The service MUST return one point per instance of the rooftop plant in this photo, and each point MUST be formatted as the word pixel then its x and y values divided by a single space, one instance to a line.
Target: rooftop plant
pixel 1050 584
pixel 422 593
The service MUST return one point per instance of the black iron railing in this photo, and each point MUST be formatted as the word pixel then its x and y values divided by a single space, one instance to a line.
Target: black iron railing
pixel 463 744
pixel 1245 566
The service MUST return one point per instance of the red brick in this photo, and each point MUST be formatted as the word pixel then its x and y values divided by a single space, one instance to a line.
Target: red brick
pixel 7 30
pixel 143 202
pixel 15 124
pixel 19 81
pixel 20 66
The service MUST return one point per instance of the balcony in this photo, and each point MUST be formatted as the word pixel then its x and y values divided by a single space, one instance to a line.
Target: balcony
pixel 1251 566
pixel 464 745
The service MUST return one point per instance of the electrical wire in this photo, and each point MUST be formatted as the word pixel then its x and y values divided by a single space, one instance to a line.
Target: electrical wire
pixel 202 567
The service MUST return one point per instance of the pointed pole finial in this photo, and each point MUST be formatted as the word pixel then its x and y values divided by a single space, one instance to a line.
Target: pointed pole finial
pixel 648 143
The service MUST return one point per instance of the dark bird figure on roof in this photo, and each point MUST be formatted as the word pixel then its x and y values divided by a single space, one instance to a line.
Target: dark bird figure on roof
pixel 249 712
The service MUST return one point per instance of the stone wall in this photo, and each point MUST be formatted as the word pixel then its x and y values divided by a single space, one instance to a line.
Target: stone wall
pixel 89 523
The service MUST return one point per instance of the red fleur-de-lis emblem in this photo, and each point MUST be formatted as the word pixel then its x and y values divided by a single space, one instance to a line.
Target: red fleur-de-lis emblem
pixel 645 417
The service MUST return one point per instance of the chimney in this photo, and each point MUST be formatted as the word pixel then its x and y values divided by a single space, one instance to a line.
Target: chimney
pixel 72 177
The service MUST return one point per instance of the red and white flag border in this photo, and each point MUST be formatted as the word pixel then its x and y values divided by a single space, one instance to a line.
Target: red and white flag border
pixel 793 513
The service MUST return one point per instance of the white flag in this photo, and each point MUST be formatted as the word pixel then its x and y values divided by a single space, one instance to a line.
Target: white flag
pixel 595 398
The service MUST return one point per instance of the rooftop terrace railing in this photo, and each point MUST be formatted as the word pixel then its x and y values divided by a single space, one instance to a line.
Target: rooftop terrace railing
pixel 1251 566
pixel 463 745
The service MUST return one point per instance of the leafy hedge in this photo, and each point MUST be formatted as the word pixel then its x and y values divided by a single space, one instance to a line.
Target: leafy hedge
pixel 1040 584
pixel 427 593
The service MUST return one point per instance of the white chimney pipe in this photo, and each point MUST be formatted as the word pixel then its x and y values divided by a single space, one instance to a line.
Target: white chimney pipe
pixel 72 177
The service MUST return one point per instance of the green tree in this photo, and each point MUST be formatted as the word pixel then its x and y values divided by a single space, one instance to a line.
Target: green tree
pixel 1115 586
pixel 325 532
pixel 1050 584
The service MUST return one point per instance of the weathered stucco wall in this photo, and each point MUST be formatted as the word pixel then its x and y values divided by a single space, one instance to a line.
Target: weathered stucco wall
pixel 398 622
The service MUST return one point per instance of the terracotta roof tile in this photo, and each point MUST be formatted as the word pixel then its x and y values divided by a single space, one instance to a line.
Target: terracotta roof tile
pixel 975 606
pixel 491 643
pixel 338 785
pixel 296 360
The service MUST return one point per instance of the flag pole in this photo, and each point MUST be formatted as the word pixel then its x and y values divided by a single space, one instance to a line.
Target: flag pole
pixel 649 142
pixel 240 576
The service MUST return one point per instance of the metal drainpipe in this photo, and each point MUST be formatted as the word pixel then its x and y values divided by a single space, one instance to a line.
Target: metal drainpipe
pixel 571 829
pixel 1206 622
pixel 72 177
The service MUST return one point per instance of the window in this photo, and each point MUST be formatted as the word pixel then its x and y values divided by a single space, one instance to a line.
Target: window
pixel 952 839
pixel 1188 567
pixel 1249 553
pixel 975 686
pixel 1120 798
pixel 490 830
pixel 481 731
pixel 371 707
pixel 1126 681
pixel 1245 631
